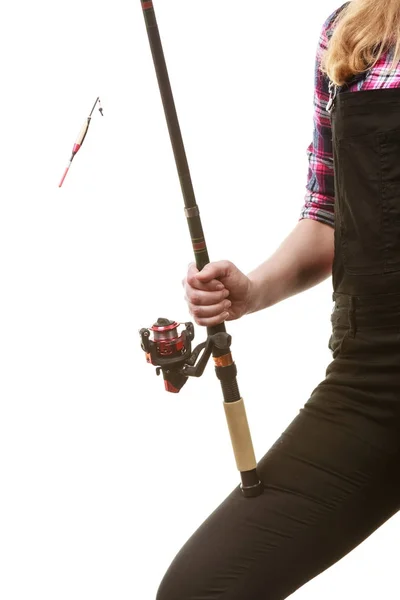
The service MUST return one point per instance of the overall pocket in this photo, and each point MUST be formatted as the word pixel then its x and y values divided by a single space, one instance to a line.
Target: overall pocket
pixel 359 204
pixel 340 331
pixel 389 147
pixel 337 341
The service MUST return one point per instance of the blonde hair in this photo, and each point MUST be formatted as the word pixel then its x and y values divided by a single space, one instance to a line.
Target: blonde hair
pixel 363 31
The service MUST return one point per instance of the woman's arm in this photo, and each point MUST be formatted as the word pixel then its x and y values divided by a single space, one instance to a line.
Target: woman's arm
pixel 303 260
pixel 305 257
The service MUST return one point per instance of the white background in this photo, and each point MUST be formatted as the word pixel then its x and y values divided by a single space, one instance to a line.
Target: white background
pixel 103 474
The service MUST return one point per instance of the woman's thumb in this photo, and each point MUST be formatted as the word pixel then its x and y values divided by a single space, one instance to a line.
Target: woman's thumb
pixel 217 270
pixel 208 273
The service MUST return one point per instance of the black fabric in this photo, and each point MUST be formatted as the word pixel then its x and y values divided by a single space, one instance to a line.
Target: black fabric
pixel 332 477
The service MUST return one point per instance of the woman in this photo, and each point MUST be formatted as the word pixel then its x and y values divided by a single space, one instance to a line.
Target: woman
pixel 333 476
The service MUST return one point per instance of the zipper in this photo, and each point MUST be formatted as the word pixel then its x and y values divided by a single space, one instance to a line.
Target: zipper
pixel 332 96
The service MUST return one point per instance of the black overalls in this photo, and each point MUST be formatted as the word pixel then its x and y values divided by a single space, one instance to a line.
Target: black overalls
pixel 333 476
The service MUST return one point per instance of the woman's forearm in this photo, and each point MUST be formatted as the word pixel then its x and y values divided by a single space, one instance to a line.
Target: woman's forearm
pixel 303 260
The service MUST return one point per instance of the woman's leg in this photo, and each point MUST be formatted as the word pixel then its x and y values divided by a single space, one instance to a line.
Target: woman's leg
pixel 330 480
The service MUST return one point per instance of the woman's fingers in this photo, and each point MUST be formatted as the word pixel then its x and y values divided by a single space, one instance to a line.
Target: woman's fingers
pixel 212 321
pixel 217 293
pixel 207 312
pixel 203 298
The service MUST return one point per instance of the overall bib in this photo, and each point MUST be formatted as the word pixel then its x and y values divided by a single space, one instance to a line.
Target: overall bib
pixel 333 476
pixel 366 147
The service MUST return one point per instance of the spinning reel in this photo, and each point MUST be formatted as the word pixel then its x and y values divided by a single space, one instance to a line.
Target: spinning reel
pixel 172 353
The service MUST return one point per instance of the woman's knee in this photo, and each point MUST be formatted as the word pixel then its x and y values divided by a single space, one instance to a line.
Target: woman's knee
pixel 169 587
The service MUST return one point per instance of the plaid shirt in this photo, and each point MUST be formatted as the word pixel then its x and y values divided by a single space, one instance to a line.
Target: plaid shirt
pixel 320 196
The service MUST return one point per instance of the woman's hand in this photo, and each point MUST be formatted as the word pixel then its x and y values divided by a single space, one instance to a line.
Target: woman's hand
pixel 217 293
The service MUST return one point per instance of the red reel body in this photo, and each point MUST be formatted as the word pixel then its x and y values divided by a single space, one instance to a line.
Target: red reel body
pixel 168 350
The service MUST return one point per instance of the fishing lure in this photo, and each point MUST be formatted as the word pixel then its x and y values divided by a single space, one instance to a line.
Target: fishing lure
pixel 80 138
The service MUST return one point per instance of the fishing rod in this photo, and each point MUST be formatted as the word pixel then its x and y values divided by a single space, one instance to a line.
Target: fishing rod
pixel 170 352
pixel 81 136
